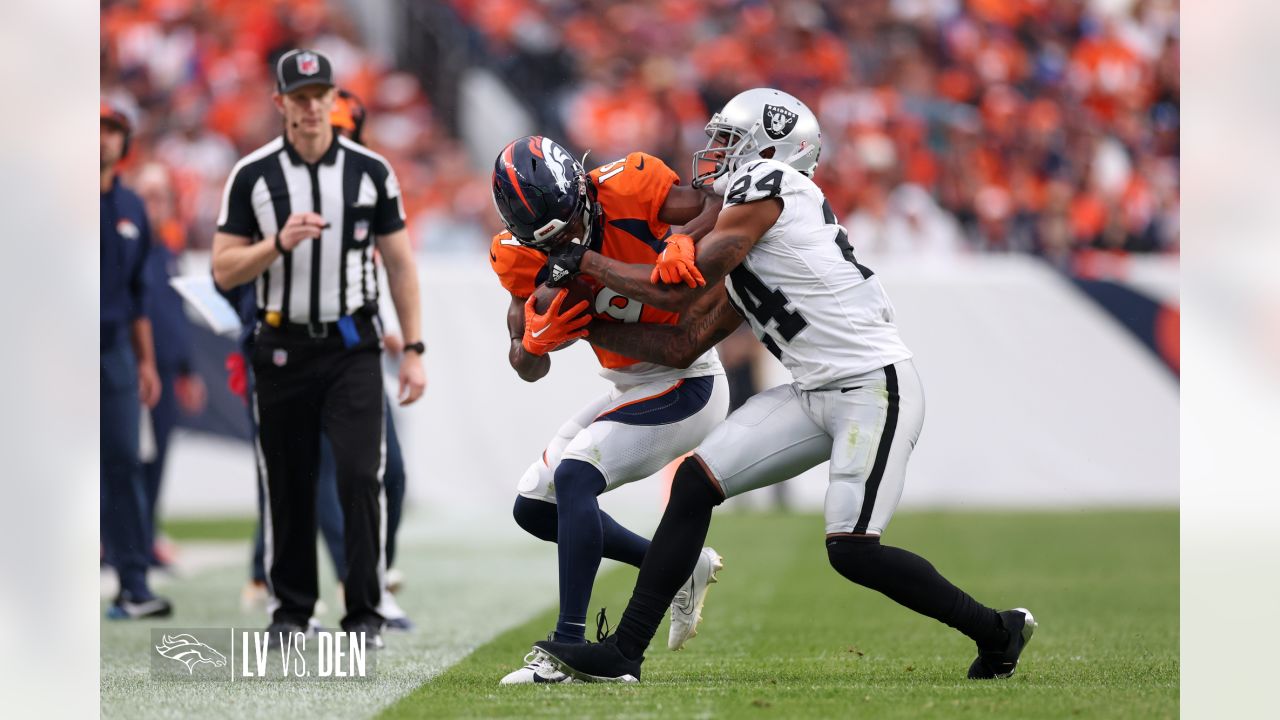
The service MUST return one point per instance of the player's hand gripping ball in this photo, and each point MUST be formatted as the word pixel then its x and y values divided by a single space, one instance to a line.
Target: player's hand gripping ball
pixel 555 318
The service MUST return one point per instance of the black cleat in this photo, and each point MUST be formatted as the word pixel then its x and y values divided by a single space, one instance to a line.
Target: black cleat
pixel 372 634
pixel 1002 662
pixel 280 634
pixel 126 607
pixel 591 662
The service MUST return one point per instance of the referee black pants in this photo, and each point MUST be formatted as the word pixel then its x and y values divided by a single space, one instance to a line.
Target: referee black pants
pixel 304 385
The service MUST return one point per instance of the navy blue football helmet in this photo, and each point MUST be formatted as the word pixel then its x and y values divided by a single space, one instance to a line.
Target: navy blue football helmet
pixel 542 194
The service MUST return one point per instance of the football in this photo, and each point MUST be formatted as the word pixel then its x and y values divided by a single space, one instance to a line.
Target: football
pixel 579 287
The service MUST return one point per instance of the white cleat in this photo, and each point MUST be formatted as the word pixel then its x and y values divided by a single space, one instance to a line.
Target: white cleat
pixel 686 608
pixel 538 668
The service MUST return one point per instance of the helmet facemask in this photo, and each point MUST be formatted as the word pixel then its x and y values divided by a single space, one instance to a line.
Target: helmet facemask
pixel 727 146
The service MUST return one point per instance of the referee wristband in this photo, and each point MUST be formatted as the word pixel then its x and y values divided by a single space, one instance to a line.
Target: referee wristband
pixel 418 347
pixel 279 247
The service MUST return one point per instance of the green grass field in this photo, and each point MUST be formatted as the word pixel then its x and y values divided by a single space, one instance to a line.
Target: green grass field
pixel 785 636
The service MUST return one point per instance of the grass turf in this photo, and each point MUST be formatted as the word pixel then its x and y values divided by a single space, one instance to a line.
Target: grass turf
pixel 210 528
pixel 785 636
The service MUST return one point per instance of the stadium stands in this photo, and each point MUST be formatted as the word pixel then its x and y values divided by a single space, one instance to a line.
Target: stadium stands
pixel 1039 126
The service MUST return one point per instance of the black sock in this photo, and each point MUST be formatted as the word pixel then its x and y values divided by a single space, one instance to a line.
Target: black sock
pixel 540 519
pixel 673 553
pixel 911 581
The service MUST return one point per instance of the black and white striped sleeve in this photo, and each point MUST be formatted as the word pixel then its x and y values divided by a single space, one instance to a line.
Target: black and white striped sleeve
pixel 389 213
pixel 236 216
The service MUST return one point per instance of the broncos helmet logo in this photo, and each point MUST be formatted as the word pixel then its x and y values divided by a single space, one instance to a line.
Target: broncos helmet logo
pixel 189 651
pixel 562 166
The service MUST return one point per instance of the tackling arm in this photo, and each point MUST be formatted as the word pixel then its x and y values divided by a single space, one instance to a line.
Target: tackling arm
pixel 708 321
pixel 530 367
pixel 737 230
pixel 693 211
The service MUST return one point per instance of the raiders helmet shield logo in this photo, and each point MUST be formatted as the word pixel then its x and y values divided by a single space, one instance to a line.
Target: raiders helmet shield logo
pixel 308 63
pixel 778 121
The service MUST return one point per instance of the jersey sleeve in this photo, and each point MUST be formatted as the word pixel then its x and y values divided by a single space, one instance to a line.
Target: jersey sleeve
pixel 388 215
pixel 757 181
pixel 515 265
pixel 236 216
pixel 636 186
pixel 140 285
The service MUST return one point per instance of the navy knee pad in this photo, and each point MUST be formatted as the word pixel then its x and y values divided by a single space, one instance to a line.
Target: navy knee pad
pixel 693 485
pixel 536 517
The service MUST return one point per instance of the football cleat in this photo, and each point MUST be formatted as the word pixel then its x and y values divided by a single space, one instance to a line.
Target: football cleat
pixel 126 607
pixel 686 608
pixel 537 669
pixel 1002 662
pixel 591 662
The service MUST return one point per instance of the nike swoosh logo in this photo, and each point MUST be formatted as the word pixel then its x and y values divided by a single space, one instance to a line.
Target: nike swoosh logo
pixel 641 165
pixel 492 256
pixel 855 387
pixel 536 333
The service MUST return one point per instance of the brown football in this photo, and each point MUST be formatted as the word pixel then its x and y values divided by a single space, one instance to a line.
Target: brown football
pixel 579 288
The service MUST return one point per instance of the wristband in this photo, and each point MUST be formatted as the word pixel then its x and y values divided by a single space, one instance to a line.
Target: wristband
pixel 418 347
pixel 279 248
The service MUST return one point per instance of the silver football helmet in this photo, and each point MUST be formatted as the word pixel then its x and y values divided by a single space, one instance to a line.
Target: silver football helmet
pixel 753 122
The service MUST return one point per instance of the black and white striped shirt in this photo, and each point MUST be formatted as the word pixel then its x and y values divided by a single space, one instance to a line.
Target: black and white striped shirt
pixel 356 192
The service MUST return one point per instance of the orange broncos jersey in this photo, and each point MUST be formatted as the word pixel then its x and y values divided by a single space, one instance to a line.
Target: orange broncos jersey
pixel 630 192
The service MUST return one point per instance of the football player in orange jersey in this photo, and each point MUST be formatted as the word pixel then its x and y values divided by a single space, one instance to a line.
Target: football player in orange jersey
pixel 654 413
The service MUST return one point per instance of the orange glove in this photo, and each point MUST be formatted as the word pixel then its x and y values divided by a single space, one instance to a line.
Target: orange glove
pixel 548 331
pixel 675 264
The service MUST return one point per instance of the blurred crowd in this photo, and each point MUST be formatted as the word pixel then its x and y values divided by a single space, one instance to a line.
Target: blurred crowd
pixel 1039 126
pixel 195 77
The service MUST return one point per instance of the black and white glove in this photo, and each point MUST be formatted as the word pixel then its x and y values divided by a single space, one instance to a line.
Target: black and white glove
pixel 563 263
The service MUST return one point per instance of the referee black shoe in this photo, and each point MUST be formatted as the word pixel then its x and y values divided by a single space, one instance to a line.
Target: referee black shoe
pixel 281 634
pixel 591 662
pixel 126 607
pixel 1001 662
pixel 372 634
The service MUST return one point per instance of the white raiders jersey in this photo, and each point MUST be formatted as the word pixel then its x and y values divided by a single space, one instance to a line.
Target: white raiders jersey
pixel 820 312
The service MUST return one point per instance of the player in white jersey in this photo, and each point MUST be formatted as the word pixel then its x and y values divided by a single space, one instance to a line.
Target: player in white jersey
pixel 779 258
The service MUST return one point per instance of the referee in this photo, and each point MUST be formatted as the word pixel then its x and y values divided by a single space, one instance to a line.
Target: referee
pixel 301 215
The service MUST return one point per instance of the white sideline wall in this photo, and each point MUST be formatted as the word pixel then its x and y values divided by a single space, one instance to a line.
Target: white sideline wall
pixel 1036 398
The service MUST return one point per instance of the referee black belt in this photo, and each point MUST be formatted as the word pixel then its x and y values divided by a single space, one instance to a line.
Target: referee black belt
pixel 317 330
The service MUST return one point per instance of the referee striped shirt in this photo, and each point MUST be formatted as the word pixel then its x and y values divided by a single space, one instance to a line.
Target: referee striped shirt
pixel 356 192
